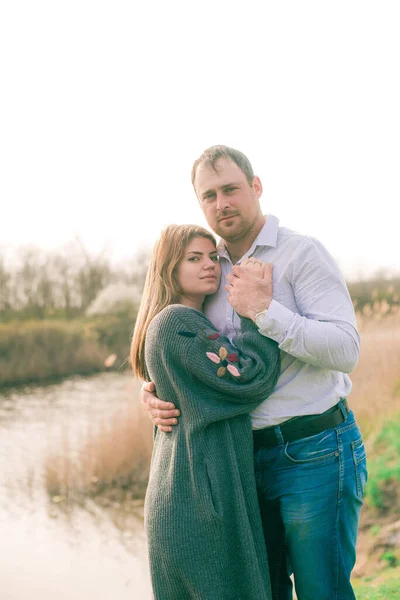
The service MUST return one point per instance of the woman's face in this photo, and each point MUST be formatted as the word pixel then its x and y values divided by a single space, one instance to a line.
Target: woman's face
pixel 198 272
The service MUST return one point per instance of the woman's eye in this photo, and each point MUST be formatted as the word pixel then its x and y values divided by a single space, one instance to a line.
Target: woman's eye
pixel 215 258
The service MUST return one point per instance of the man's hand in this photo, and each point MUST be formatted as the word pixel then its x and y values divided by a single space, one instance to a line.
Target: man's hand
pixel 163 414
pixel 249 287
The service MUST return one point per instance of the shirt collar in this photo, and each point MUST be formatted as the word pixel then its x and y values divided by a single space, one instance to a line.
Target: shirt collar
pixel 267 237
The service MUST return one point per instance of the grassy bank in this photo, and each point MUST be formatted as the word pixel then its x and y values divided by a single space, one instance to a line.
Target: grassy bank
pixel 49 349
pixel 33 351
pixel 376 402
pixel 385 586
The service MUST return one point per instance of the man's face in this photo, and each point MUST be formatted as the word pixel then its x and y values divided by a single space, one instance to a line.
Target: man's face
pixel 230 204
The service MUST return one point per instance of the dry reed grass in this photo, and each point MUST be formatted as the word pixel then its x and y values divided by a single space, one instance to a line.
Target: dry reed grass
pixel 113 459
pixel 376 379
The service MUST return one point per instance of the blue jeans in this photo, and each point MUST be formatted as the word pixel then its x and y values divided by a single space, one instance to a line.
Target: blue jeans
pixel 310 494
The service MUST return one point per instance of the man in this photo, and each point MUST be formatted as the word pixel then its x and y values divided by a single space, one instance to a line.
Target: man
pixel 309 454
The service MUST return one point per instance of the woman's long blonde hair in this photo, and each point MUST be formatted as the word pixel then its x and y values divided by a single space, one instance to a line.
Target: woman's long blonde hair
pixel 161 287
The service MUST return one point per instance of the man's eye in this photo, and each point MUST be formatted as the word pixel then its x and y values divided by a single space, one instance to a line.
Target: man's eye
pixel 209 198
pixel 230 189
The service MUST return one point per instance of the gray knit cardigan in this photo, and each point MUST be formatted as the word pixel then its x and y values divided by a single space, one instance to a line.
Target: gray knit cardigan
pixel 202 518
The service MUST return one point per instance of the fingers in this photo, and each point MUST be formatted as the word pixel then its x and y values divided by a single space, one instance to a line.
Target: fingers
pixel 252 263
pixel 257 267
pixel 229 289
pixel 151 403
pixel 162 414
pixel 235 271
pixel 248 264
pixel 148 386
pixel 164 420
pixel 251 260
pixel 251 267
pixel 160 406
pixel 164 429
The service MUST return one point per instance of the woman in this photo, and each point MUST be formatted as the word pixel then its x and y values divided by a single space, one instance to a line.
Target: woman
pixel 201 512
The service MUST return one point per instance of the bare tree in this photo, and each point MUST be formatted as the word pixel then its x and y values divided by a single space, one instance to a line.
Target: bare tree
pixel 5 277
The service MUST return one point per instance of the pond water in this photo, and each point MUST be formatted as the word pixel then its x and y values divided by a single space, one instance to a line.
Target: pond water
pixel 48 552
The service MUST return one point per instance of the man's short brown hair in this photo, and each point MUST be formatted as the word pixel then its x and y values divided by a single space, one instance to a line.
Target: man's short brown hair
pixel 214 153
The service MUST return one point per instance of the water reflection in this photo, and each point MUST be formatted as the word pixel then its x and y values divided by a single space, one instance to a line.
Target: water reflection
pixel 45 550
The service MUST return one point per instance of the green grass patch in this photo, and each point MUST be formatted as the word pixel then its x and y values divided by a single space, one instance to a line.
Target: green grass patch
pixel 390 558
pixel 384 463
pixel 375 529
pixel 385 586
pixel 387 591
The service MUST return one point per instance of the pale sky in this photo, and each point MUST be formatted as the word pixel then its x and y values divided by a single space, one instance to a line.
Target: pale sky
pixel 105 105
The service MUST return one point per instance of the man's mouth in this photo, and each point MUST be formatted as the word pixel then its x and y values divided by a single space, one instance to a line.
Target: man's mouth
pixel 226 218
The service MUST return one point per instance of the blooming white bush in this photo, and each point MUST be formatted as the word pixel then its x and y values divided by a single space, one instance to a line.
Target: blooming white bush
pixel 113 298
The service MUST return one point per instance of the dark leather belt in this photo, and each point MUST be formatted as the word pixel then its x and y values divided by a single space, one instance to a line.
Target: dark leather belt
pixel 300 427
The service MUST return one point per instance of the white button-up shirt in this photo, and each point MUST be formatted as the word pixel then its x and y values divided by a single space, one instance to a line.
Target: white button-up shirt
pixel 311 317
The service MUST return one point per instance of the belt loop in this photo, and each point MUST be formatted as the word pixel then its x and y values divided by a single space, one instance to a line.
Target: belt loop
pixel 279 435
pixel 342 408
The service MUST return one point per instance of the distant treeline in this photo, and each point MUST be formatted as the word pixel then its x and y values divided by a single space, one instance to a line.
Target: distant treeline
pixel 379 290
pixel 47 285
pixel 63 284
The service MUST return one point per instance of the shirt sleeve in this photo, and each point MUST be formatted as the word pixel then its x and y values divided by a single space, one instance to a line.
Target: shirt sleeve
pixel 323 332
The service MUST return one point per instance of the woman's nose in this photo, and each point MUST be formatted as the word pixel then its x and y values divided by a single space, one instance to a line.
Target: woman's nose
pixel 209 264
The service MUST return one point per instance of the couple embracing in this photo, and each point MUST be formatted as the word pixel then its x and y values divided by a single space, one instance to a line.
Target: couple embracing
pixel 249 342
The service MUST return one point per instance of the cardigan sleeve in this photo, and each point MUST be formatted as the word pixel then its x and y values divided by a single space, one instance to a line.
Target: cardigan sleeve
pixel 245 371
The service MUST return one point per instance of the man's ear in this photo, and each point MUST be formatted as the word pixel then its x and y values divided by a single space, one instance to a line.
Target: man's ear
pixel 257 186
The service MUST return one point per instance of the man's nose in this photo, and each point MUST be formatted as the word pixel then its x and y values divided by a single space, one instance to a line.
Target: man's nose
pixel 222 202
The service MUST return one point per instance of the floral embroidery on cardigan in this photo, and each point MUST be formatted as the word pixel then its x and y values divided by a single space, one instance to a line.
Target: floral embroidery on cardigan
pixel 213 336
pixel 223 359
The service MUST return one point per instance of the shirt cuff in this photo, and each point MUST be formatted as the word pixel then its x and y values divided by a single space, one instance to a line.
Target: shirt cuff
pixel 276 321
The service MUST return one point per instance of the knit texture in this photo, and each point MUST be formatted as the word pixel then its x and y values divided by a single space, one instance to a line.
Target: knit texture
pixel 202 518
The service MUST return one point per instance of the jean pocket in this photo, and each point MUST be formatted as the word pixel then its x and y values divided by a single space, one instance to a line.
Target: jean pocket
pixel 360 465
pixel 314 449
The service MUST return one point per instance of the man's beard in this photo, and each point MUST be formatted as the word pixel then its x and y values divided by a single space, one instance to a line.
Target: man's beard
pixel 236 232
